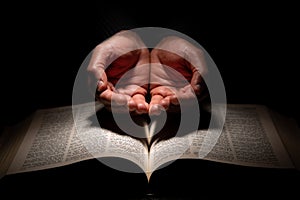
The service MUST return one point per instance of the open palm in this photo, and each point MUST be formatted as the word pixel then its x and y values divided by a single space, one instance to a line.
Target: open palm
pixel 177 69
pixel 122 57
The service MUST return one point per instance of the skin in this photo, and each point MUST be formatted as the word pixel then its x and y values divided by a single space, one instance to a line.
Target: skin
pixel 124 52
pixel 126 71
pixel 167 88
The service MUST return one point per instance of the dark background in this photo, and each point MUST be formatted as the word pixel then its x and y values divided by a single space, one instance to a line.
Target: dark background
pixel 254 46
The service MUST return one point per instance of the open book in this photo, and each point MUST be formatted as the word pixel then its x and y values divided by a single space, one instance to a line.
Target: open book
pixel 50 139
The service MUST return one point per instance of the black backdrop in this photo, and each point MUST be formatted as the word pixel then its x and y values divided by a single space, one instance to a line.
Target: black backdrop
pixel 254 47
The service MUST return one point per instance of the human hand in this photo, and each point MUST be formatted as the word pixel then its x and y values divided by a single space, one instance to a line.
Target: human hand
pixel 169 88
pixel 123 56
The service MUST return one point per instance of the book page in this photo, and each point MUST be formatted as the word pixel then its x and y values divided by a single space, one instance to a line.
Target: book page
pixel 248 138
pixel 10 142
pixel 167 150
pixel 52 141
pixel 102 142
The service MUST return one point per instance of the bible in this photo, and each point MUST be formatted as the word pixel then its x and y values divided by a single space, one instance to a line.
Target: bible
pixel 252 136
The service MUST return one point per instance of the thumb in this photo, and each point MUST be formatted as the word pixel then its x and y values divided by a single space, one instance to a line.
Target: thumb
pixel 97 80
pixel 102 81
pixel 196 82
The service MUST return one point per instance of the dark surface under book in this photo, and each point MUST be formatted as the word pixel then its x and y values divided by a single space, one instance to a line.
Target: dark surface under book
pixel 183 179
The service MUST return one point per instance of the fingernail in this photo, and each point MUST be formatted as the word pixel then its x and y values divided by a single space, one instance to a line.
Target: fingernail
pixel 164 104
pixel 99 84
pixel 141 106
pixel 197 88
pixel 174 100
pixel 155 110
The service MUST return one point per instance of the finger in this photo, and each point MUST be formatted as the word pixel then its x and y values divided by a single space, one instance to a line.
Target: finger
pixel 155 106
pixel 105 97
pixel 137 94
pixel 186 94
pixel 102 82
pixel 165 102
pixel 182 95
pixel 174 100
pixel 120 99
pixel 112 98
pixel 184 99
pixel 140 104
pixel 97 80
pixel 132 105
pixel 114 102
pixel 197 83
pixel 161 91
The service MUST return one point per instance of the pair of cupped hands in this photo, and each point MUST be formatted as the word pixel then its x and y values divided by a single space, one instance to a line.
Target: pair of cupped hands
pixel 131 77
